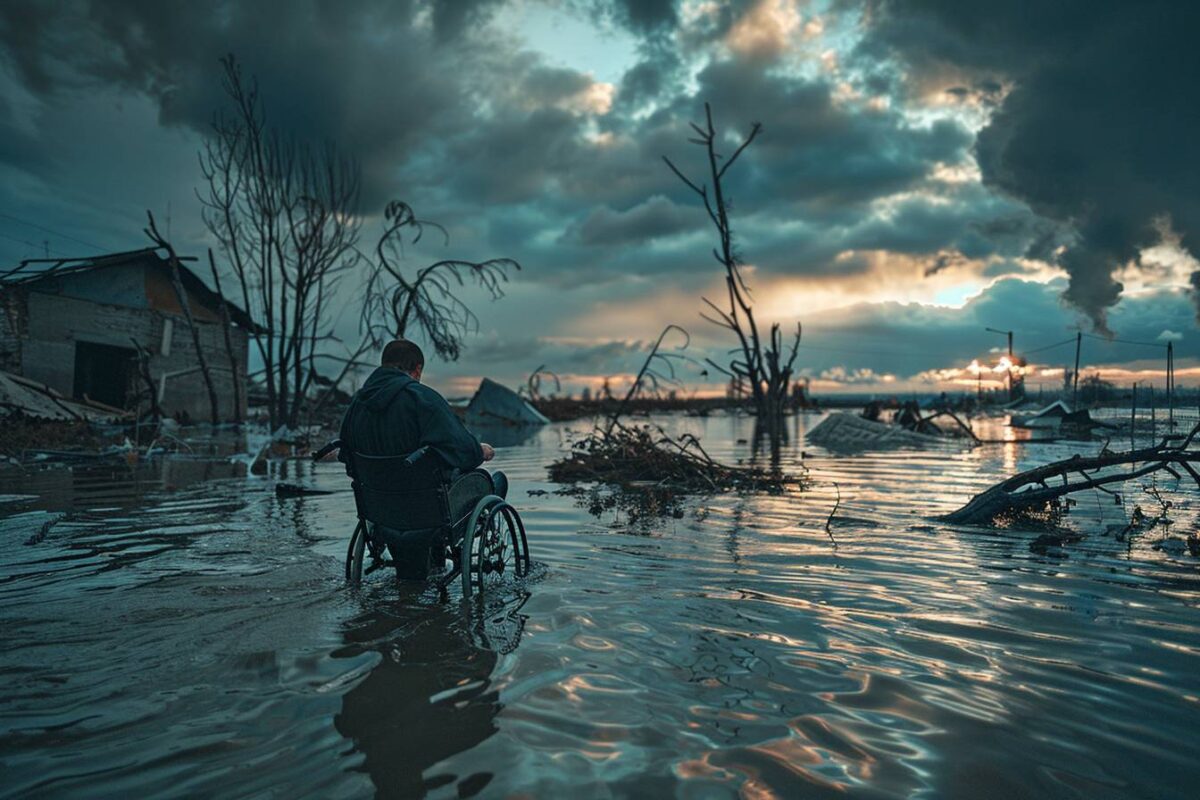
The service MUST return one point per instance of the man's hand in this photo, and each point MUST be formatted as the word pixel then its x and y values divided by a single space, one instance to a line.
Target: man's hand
pixel 489 452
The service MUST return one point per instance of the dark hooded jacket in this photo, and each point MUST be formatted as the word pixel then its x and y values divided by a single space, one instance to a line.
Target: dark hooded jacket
pixel 393 415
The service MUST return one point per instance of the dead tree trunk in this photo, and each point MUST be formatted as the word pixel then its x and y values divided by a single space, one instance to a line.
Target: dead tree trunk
pixel 227 329
pixel 765 366
pixel 1031 491
pixel 181 294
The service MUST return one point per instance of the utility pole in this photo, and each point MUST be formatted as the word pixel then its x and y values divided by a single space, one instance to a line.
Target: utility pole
pixel 1010 359
pixel 1170 387
pixel 1075 377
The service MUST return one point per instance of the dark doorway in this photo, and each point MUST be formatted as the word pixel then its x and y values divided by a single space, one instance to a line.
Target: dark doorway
pixel 104 373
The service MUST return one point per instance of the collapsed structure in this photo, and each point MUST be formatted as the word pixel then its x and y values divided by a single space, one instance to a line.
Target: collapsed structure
pixel 110 330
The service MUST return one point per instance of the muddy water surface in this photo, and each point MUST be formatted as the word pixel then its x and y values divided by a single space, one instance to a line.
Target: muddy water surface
pixel 179 631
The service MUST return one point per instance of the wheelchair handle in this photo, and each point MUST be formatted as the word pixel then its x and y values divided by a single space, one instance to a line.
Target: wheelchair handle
pixel 327 449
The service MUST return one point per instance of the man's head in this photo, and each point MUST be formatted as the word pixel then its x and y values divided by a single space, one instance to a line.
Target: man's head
pixel 404 356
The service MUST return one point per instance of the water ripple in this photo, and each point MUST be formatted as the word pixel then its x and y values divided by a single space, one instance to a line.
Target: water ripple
pixel 177 630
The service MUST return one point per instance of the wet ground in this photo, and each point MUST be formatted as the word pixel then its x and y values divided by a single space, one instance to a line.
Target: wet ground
pixel 177 630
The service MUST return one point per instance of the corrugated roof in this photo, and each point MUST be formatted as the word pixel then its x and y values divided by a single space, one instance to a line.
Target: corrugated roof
pixel 33 270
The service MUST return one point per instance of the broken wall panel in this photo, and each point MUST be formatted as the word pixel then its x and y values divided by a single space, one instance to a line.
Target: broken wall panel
pixel 57 323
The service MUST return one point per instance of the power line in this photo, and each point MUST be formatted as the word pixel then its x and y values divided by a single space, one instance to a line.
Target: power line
pixel 1124 341
pixel 51 231
pixel 1050 346
pixel 34 245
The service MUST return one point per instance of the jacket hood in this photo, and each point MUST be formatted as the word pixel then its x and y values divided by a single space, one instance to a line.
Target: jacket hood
pixel 384 385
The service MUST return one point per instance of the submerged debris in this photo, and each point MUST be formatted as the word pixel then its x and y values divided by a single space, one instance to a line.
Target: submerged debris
pixel 1030 497
pixel 295 490
pixel 20 396
pixel 1059 417
pixel 646 471
pixel 494 402
pixel 29 439
pixel 844 431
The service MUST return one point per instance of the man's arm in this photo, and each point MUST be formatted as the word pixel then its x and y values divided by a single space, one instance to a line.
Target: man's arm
pixel 444 432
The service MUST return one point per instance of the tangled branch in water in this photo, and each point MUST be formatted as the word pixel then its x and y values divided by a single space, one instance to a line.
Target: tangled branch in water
pixel 647 471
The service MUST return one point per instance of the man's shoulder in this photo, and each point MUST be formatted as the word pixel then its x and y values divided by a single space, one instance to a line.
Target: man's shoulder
pixel 427 393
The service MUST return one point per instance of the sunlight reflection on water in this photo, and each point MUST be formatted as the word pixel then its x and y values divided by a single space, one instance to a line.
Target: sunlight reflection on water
pixel 188 633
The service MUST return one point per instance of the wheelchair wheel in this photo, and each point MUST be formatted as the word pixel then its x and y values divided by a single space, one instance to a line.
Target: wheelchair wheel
pixel 361 546
pixel 354 553
pixel 494 546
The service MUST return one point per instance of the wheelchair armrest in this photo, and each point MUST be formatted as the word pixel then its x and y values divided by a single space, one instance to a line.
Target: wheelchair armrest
pixel 327 449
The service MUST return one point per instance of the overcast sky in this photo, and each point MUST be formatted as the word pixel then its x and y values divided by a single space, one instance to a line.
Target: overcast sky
pixel 927 168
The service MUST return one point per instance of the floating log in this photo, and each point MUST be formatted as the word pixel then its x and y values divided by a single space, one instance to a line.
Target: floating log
pixel 1030 492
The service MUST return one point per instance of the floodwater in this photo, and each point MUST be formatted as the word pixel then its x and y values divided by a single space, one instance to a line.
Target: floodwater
pixel 179 631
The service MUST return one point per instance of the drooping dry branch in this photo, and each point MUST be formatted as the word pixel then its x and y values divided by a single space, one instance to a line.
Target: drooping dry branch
pixel 395 304
pixel 650 374
pixel 533 384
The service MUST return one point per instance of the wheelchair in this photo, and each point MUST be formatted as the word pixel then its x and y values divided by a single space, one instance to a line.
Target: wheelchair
pixel 483 539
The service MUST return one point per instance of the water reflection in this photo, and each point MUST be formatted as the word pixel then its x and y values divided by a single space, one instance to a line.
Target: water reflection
pixel 430 696
pixel 170 638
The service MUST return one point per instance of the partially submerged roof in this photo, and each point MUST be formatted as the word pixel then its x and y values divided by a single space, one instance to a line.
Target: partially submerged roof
pixel 1056 409
pixel 19 395
pixel 31 272
pixel 842 431
pixel 1049 417
pixel 494 402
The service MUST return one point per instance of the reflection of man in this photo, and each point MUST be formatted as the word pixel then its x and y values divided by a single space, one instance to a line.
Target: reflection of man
pixel 429 698
pixel 394 414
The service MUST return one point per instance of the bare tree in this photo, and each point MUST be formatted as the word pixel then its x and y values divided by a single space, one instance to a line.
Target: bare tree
pixel 182 296
pixel 285 216
pixel 763 366
pixel 396 304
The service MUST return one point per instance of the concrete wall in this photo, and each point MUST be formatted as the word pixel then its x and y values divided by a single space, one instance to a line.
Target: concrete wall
pixel 56 323
pixel 12 328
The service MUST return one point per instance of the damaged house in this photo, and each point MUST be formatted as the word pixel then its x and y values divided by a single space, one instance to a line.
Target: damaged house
pixel 107 329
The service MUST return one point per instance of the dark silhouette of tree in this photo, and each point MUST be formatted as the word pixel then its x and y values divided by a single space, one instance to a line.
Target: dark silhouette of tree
pixel 762 366
pixel 398 305
pixel 284 213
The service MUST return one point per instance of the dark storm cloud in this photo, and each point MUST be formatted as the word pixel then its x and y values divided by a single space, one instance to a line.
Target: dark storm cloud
pixel 646 16
pixel 495 137
pixel 452 17
pixel 656 217
pixel 1098 130
pixel 814 149
pixel 522 157
pixel 369 75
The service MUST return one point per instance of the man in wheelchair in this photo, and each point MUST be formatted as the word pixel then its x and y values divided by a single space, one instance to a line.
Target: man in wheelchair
pixel 394 414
